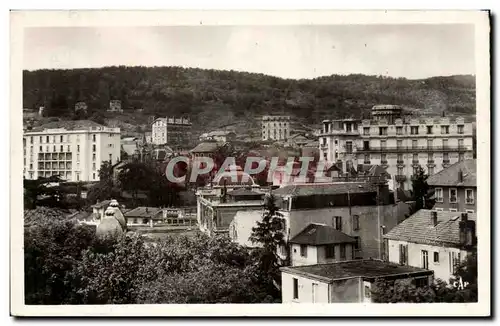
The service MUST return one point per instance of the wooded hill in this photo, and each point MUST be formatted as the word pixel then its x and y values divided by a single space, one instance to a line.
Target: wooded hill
pixel 214 98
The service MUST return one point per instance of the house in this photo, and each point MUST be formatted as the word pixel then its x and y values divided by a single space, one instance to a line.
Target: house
pixel 344 281
pixel 455 187
pixel 144 216
pixel 435 240
pixel 320 244
pixel 206 148
pixel 240 228
pixel 171 131
pixel 115 106
pixel 178 217
pixel 359 209
pixel 220 136
pixel 298 140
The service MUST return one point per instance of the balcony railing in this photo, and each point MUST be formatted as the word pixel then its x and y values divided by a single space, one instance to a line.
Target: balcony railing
pixel 404 149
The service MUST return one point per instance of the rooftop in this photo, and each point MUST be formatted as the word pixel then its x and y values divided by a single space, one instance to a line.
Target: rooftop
pixel 205 147
pixel 320 234
pixel 366 269
pixel 419 229
pixel 143 212
pixel 325 189
pixel 101 204
pixel 451 175
pixel 244 192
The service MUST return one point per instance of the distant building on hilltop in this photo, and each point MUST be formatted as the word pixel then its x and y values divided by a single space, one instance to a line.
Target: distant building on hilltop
pixel 275 127
pixel 115 106
pixel 171 131
pixel 74 150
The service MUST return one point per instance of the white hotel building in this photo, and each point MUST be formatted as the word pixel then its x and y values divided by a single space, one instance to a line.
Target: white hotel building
pixel 74 150
pixel 400 144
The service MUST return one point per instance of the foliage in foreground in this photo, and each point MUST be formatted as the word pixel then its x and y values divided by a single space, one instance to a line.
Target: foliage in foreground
pixel 66 264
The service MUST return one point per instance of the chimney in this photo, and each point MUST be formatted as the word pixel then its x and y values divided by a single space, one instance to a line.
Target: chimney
pixel 434 218
pixel 460 176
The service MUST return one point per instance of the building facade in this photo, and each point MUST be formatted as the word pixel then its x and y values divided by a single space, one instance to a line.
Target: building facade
pixel 400 144
pixel 276 127
pixel 74 150
pixel 171 131
pixel 433 240
pixel 455 187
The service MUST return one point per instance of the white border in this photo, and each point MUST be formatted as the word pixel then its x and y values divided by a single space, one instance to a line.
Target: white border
pixel 20 19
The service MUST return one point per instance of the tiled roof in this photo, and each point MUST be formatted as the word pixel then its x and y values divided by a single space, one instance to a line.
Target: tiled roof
pixel 101 204
pixel 419 229
pixel 356 268
pixel 325 189
pixel 143 212
pixel 205 147
pixel 69 125
pixel 450 175
pixel 319 234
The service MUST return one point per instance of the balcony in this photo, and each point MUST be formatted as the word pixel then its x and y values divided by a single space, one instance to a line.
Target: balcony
pixel 400 161
pixel 406 149
pixel 400 178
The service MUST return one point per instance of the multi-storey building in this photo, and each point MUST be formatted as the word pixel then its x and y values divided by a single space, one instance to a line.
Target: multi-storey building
pixel 171 131
pixel 400 144
pixel 455 187
pixel 74 150
pixel 275 127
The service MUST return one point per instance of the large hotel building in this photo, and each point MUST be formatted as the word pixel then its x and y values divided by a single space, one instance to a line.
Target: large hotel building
pixel 400 144
pixel 74 150
pixel 171 131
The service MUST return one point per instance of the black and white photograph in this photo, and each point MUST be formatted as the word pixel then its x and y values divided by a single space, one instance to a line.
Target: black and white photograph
pixel 296 164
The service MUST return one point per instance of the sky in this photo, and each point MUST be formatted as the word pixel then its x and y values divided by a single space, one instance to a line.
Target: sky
pixel 410 51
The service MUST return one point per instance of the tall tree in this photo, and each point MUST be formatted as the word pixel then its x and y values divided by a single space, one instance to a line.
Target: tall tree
pixel 269 233
pixel 421 191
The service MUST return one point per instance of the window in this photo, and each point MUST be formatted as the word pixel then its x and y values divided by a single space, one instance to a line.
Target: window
pixel 93 166
pixel 47 139
pixel 366 144
pixel 383 144
pixel 469 196
pixel 453 210
pixel 342 251
pixel 429 130
pixel 303 250
pixel 77 148
pixel 429 143
pixel 460 143
pixel 430 158
pixel 454 260
pixel 366 130
pixel 414 143
pixel 399 144
pixel 110 157
pixel 414 130
pixel 430 170
pixel 338 223
pixel 403 254
pixel 41 139
pixel 61 139
pixel 446 158
pixel 382 131
pixel 383 158
pixel 93 157
pixel 330 251
pixel 438 209
pixel 93 148
pixel 415 158
pixel 357 244
pixel 436 257
pixel 425 259
pixel 399 130
pixel 93 175
pixel 93 137
pixel 470 211
pixel 445 130
pixel 400 158
pixel 438 193
pixel 460 129
pixel 400 170
pixel 41 148
pixel 367 159
pixel 348 147
pixel 355 222
pixel 295 288
pixel 62 148
pixel 323 141
pixel 31 166
pixel 460 157
pixel 54 147
pixel 453 195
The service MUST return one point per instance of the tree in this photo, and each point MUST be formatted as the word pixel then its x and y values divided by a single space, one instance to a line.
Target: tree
pixel 105 188
pixel 421 192
pixel 270 234
pixel 135 177
pixel 44 192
